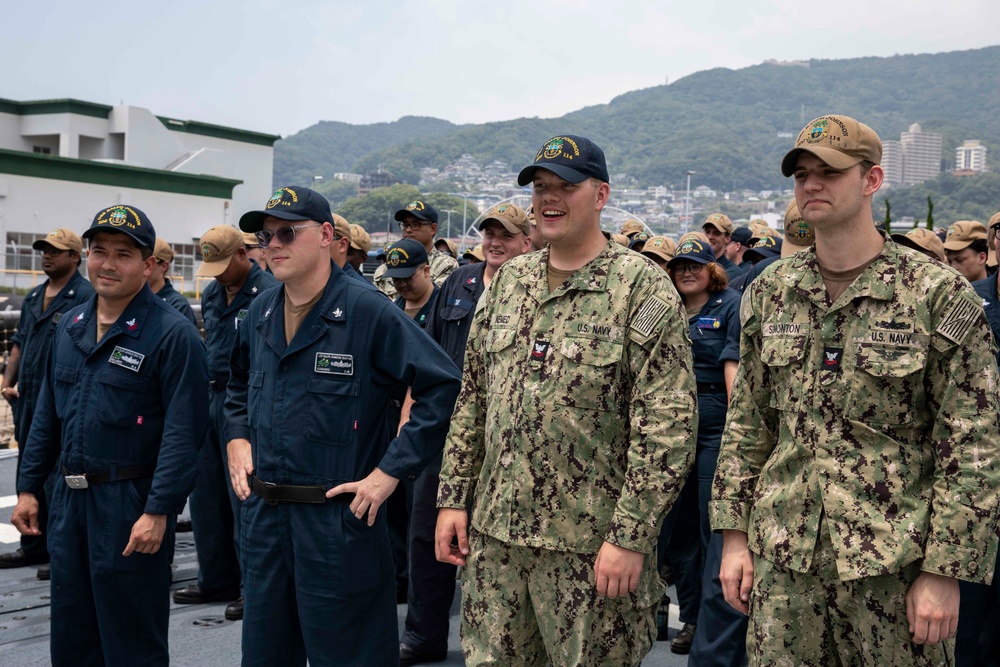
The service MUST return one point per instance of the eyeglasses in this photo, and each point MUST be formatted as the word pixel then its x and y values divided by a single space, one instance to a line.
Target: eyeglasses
pixel 51 252
pixel 690 267
pixel 403 281
pixel 995 227
pixel 285 235
pixel 413 225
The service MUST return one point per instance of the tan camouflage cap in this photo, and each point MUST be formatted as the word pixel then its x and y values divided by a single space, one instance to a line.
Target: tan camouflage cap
pixel 994 221
pixel 250 240
pixel 511 216
pixel 699 236
pixel 661 246
pixel 962 233
pixel 798 233
pixel 60 239
pixel 341 226
pixel 922 239
pixel 449 247
pixel 162 251
pixel 631 226
pixel 760 229
pixel 475 253
pixel 839 141
pixel 218 245
pixel 360 240
pixel 720 221
pixel 620 239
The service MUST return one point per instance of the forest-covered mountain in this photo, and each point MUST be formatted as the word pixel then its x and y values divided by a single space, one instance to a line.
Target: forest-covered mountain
pixel 731 126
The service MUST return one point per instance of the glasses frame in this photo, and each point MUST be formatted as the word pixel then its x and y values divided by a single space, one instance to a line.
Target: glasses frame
pixel 403 226
pixel 265 236
pixel 50 251
pixel 694 268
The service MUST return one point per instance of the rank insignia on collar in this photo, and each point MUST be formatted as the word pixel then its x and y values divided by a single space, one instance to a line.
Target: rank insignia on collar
pixel 72 292
pixel 78 318
pixel 471 281
pixel 338 313
pixel 253 290
pixel 267 313
pixel 131 324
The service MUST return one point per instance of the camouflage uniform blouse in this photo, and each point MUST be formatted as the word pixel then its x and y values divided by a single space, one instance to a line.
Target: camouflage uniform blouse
pixel 874 418
pixel 575 420
pixel 442 265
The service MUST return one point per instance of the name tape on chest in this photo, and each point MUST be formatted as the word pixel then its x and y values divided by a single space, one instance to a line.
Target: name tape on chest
pixel 649 315
pixel 334 364
pixel 783 329
pixel 126 358
pixel 960 318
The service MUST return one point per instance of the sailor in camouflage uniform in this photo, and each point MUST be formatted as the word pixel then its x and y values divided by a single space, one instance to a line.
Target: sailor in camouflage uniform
pixel 419 221
pixel 859 465
pixel 571 437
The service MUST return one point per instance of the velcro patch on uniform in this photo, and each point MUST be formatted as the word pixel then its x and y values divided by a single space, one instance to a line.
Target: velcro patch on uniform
pixel 832 357
pixel 126 358
pixel 746 308
pixel 239 318
pixel 961 316
pixel 649 315
pixel 334 364
pixel 709 322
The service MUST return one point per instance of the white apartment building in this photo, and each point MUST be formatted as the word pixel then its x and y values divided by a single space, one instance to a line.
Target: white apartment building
pixel 921 155
pixel 970 156
pixel 62 161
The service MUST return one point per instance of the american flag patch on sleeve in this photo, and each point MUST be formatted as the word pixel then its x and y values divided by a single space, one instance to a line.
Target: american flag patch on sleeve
pixel 962 314
pixel 649 315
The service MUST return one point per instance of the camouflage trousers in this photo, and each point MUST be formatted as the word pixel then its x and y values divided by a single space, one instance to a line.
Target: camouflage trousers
pixel 814 619
pixel 529 606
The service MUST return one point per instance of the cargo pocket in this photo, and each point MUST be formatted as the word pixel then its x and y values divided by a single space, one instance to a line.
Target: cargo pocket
pixel 588 371
pixel 330 409
pixel 887 385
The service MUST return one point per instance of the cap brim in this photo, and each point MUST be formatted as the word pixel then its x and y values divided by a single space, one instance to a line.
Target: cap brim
pixel 41 243
pixel 401 272
pixel 830 156
pixel 119 230
pixel 213 269
pixel 253 221
pixel 689 258
pixel 419 215
pixel 662 255
pixel 566 173
pixel 513 229
pixel 787 249
pixel 957 245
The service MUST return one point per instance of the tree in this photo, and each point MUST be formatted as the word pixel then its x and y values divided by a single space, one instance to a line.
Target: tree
pixel 930 213
pixel 375 210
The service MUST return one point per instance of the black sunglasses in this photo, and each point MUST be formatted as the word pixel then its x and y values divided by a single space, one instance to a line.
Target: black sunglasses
pixel 285 235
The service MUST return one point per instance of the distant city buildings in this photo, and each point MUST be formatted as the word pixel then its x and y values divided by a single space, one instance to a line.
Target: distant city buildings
pixel 915 158
pixel 970 158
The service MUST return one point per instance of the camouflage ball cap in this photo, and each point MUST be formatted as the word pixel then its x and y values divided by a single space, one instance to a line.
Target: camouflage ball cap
pixel 125 219
pixel 360 239
pixel 993 222
pixel 341 227
pixel 447 246
pixel 572 158
pixel 60 239
pixel 720 221
pixel 404 257
pixel 475 253
pixel 511 216
pixel 632 226
pixel 162 251
pixel 798 233
pixel 218 245
pixel 660 246
pixel 839 141
pixel 962 233
pixel 922 239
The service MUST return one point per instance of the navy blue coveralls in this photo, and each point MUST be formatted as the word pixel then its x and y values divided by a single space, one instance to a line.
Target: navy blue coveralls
pixel 177 300
pixel 977 641
pixel 136 400
pixel 213 503
pixel 432 583
pixel 319 581
pixel 35 331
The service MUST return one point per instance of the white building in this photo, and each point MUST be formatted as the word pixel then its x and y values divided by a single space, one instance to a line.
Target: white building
pixel 970 156
pixel 62 161
pixel 921 155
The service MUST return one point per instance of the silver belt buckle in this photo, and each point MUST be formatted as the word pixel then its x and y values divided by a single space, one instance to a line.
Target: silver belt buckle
pixel 76 481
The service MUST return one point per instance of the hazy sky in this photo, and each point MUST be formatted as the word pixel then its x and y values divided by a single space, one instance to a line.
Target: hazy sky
pixel 278 67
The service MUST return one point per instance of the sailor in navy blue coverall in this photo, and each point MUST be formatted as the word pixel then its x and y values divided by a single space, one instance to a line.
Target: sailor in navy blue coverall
pixel 121 412
pixel 311 374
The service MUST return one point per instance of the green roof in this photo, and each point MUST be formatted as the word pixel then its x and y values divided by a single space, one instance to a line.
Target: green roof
pixel 37 165
pixel 104 111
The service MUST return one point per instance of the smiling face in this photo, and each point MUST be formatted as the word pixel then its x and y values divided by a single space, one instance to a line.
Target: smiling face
pixel 115 266
pixel 690 278
pixel 565 211
pixel 499 245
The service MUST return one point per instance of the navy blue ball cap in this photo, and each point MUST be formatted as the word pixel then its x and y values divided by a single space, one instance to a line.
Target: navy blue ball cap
pixel 766 246
pixel 420 210
pixel 404 257
pixel 126 220
pixel 292 203
pixel 693 250
pixel 573 159
pixel 741 235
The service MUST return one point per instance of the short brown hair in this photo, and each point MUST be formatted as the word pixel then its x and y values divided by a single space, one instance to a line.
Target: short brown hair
pixel 718 279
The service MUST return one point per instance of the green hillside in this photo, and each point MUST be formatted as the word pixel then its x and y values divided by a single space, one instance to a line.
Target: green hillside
pixel 722 123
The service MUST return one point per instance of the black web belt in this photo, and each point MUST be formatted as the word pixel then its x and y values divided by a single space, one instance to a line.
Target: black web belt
pixel 83 480
pixel 288 493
